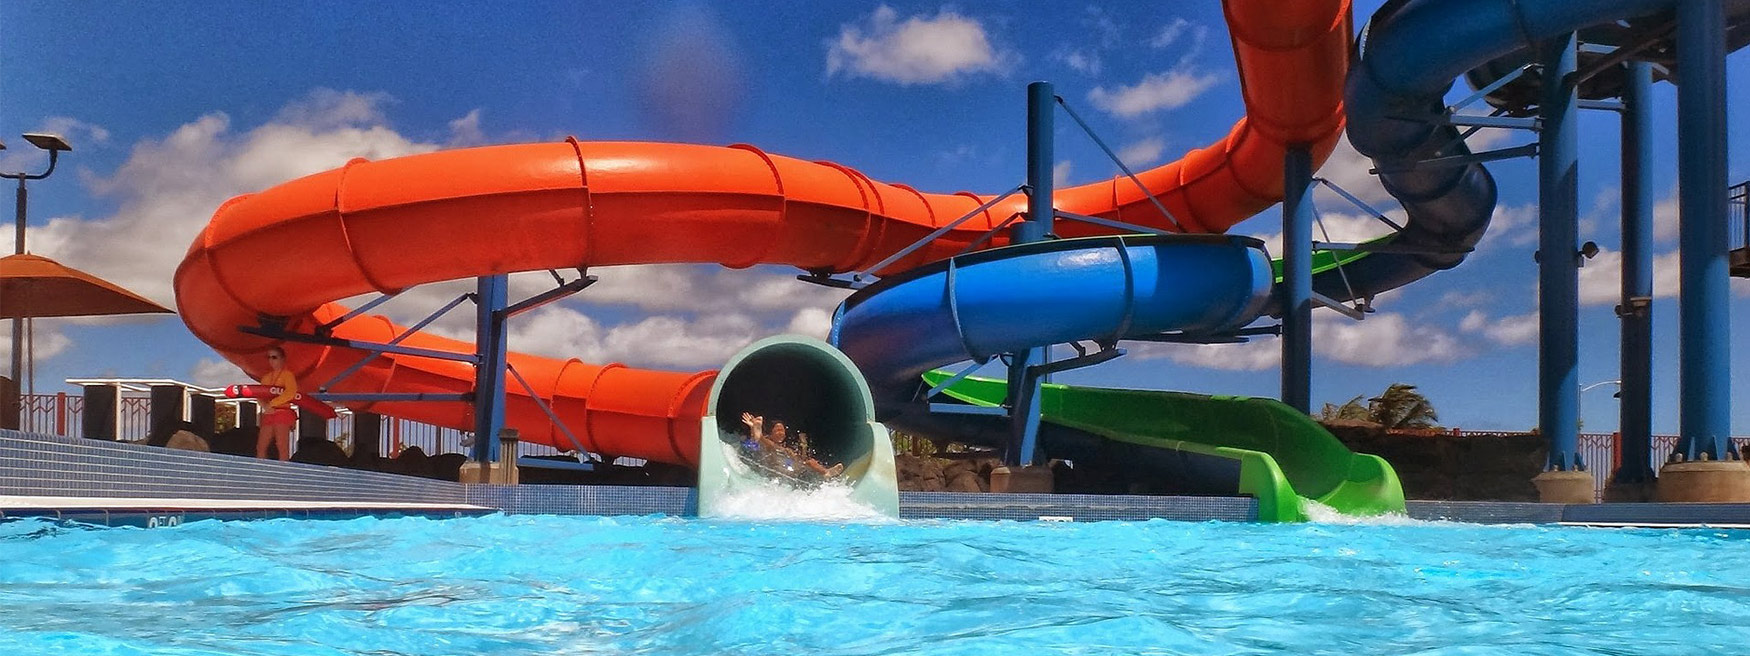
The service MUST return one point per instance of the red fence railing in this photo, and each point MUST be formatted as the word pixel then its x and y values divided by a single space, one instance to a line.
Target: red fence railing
pixel 63 414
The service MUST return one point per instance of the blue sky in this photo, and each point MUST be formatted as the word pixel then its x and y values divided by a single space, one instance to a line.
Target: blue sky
pixel 174 107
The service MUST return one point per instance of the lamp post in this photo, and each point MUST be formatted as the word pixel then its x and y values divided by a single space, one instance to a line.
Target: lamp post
pixel 54 144
pixel 1581 397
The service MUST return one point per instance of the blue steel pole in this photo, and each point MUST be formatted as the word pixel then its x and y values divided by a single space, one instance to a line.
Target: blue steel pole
pixel 1558 261
pixel 1704 375
pixel 1296 288
pixel 490 345
pixel 1637 278
pixel 1024 387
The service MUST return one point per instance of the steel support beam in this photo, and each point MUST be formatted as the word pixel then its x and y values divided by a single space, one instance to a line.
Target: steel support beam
pixel 1558 265
pixel 1023 383
pixel 1636 424
pixel 491 348
pixel 1296 287
pixel 1705 367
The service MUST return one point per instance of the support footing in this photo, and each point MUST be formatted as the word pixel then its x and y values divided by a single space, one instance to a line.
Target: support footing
pixel 1705 481
pixel 501 473
pixel 1631 492
pixel 1564 487
pixel 1034 479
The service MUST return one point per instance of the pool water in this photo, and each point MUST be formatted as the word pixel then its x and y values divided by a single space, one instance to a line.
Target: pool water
pixel 655 585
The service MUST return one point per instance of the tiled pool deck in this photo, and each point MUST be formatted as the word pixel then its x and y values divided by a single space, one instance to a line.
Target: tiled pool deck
pixel 116 484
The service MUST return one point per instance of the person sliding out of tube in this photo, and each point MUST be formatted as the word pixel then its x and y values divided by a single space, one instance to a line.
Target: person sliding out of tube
pixel 773 449
pixel 278 419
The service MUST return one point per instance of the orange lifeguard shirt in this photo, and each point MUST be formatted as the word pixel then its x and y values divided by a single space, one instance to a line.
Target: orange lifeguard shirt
pixel 286 383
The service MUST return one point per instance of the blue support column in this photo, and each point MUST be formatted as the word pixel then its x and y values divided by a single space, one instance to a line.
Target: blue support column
pixel 1637 278
pixel 1024 387
pixel 1296 288
pixel 1558 261
pixel 490 346
pixel 1705 371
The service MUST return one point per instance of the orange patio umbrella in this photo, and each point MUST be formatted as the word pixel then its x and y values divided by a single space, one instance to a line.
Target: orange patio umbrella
pixel 33 286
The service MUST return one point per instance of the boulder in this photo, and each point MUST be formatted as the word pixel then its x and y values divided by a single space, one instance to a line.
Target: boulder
pixel 965 481
pixel 317 451
pixel 186 441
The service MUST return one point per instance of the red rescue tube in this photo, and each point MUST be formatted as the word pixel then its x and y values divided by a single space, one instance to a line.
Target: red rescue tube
pixel 263 393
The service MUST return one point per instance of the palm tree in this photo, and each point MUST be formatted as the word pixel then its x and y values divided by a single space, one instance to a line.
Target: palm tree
pixel 1352 410
pixel 1401 406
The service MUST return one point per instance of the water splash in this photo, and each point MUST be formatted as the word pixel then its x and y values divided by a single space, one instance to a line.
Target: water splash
pixel 770 500
pixel 1319 513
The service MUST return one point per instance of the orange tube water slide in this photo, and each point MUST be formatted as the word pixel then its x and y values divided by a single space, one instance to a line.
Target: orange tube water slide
pixel 294 249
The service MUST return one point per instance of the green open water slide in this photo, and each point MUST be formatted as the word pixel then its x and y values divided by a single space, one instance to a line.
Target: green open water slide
pixel 1284 457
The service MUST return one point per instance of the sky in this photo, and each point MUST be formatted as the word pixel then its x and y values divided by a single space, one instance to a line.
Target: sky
pixel 174 107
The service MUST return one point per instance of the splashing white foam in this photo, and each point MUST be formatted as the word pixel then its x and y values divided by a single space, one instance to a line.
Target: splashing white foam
pixel 767 500
pixel 1322 514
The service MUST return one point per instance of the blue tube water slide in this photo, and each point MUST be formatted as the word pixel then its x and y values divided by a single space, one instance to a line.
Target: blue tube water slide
pixel 1410 54
pixel 979 305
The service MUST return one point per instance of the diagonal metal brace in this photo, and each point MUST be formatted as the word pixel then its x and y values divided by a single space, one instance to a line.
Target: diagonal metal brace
pixel 1353 313
pixel 545 297
pixel 1388 247
pixel 356 366
pixel 959 409
pixel 961 375
pixel 325 328
pixel 1377 215
pixel 827 280
pixel 542 404
pixel 280 333
pixel 1527 150
pixel 1089 360
pixel 1115 225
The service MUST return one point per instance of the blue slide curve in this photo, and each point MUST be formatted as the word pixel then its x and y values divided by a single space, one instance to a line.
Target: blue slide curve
pixel 976 306
pixel 1109 288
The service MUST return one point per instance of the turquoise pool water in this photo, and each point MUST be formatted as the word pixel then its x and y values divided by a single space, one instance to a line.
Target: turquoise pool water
pixel 651 585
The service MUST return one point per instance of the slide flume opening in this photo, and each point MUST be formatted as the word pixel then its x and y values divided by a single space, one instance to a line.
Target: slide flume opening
pixel 813 390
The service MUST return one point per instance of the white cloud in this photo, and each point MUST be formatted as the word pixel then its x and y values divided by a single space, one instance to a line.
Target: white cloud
pixel 328 109
pixel 1507 331
pixel 1157 91
pixel 813 322
pixel 465 131
pixel 77 133
pixel 1340 228
pixel 1255 355
pixel 1601 278
pixel 1511 225
pixel 1462 299
pixel 48 338
pixel 1081 61
pixel 917 50
pixel 1060 173
pixel 1169 33
pixel 215 372
pixel 1666 216
pixel 1348 168
pixel 1384 339
pixel 167 189
pixel 1142 153
pixel 658 341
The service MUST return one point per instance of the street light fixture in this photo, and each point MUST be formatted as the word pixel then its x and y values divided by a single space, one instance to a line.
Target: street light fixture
pixel 53 143
pixel 48 142
pixel 1581 397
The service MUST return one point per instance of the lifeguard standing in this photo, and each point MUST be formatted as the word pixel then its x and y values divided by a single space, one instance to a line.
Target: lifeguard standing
pixel 278 418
